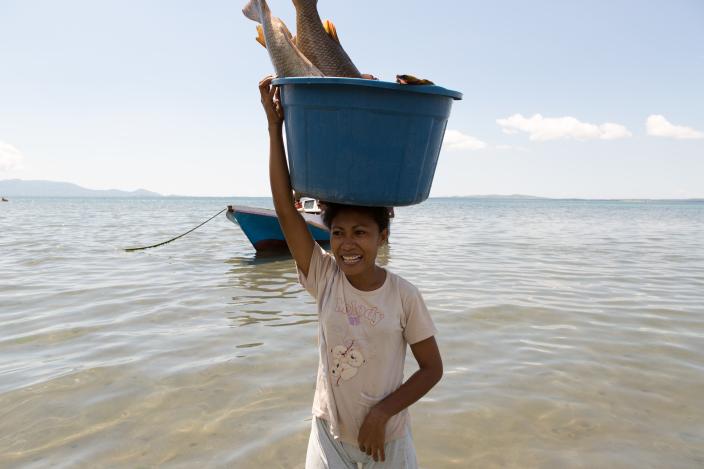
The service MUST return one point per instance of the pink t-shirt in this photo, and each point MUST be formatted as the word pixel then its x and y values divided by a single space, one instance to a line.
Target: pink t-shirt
pixel 363 337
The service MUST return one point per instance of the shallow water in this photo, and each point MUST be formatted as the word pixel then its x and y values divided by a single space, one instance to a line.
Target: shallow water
pixel 572 334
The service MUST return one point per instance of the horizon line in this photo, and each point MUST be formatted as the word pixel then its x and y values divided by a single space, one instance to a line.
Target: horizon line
pixel 477 196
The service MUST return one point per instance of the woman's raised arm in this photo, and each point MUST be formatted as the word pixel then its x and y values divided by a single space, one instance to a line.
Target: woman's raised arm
pixel 300 241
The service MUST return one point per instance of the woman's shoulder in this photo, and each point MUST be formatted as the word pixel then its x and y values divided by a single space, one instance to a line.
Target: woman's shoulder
pixel 399 283
pixel 325 264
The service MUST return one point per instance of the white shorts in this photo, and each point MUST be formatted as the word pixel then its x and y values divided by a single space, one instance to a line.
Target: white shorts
pixel 325 452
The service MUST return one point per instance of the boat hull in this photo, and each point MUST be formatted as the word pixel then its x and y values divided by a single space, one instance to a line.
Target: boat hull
pixel 262 229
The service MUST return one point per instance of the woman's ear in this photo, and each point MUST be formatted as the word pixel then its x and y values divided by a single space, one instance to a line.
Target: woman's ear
pixel 383 236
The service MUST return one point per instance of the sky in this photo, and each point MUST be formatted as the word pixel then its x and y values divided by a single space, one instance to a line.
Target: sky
pixel 599 99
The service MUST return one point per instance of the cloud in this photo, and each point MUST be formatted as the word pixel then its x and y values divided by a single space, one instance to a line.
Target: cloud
pixel 658 126
pixel 542 129
pixel 10 157
pixel 456 140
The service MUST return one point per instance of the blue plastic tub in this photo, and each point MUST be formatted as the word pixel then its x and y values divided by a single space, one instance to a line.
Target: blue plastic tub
pixel 363 142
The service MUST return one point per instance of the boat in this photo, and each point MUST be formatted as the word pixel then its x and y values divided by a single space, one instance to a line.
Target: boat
pixel 5 200
pixel 262 229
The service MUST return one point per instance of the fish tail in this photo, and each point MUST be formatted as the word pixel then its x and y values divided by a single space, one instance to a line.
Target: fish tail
pixel 252 10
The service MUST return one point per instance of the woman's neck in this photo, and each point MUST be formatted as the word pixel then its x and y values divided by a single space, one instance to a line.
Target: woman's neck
pixel 368 281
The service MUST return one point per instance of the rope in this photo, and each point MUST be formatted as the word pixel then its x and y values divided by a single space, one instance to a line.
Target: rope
pixel 177 237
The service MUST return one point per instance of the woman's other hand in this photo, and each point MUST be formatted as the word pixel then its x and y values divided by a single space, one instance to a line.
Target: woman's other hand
pixel 372 434
pixel 271 103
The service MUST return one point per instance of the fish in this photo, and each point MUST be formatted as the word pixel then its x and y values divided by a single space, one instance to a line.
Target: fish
pixel 287 59
pixel 321 47
pixel 411 80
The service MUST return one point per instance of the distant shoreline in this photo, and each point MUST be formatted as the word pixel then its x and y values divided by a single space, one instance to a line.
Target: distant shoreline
pixel 17 188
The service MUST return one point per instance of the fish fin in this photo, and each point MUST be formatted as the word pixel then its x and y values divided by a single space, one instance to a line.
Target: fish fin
pixel 330 29
pixel 252 11
pixel 260 36
pixel 285 31
pixel 291 39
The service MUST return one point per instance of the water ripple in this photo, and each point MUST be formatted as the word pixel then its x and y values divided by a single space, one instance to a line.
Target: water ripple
pixel 571 333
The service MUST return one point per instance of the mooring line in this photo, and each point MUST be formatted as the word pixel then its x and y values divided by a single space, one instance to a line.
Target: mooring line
pixel 177 237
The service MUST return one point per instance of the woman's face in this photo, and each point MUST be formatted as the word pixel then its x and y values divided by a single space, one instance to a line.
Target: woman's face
pixel 355 239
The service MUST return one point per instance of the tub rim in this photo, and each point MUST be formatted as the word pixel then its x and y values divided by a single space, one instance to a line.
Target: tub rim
pixel 422 89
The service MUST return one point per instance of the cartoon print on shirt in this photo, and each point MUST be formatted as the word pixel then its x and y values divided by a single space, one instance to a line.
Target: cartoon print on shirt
pixel 355 311
pixel 346 362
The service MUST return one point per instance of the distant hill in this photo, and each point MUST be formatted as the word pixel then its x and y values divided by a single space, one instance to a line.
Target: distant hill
pixel 22 188
pixel 497 196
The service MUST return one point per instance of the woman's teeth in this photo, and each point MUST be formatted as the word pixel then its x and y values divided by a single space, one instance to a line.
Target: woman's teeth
pixel 351 259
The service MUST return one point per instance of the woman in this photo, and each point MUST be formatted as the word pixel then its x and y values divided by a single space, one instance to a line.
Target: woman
pixel 367 315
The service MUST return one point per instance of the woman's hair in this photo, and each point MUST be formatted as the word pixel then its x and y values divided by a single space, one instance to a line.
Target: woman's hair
pixel 379 214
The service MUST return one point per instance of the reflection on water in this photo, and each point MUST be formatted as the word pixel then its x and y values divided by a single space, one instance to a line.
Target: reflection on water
pixel 263 282
pixel 572 335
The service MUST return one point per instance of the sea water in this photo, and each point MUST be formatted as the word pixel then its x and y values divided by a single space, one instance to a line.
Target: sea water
pixel 572 335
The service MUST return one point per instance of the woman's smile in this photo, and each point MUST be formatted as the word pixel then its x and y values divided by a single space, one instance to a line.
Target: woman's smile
pixel 351 260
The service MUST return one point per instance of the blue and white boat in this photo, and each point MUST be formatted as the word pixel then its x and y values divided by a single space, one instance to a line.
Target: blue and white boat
pixel 261 225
